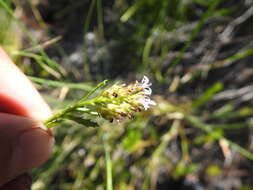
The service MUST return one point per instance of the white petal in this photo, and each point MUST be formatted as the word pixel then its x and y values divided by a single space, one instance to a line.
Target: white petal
pixel 147 91
pixel 145 80
pixel 151 102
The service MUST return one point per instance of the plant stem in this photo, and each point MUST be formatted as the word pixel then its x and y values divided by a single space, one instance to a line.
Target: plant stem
pixel 83 102
pixel 209 129
pixel 109 185
pixel 56 117
pixel 100 85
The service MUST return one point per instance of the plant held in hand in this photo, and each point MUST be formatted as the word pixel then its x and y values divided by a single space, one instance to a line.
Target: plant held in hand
pixel 115 103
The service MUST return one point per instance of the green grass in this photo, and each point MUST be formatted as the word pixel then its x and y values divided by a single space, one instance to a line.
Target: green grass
pixel 180 136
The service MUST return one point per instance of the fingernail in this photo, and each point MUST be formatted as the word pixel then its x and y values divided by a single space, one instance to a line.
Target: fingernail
pixel 30 149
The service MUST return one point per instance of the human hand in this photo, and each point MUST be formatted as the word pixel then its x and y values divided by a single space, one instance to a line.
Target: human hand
pixel 24 141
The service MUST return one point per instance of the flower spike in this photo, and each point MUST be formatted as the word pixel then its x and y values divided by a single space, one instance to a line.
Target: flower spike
pixel 116 103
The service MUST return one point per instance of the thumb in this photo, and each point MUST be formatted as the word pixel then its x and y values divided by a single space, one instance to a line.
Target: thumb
pixel 23 146
pixel 22 182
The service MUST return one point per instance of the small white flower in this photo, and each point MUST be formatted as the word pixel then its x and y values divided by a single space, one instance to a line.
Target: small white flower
pixel 147 91
pixel 145 101
pixel 145 82
pixel 125 100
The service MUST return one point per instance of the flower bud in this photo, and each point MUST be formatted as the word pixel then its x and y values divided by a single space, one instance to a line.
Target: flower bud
pixel 121 101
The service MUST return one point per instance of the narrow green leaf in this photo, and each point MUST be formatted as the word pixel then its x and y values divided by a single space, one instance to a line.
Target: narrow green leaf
pixel 108 162
pixel 52 83
pixel 209 129
pixel 82 121
pixel 100 85
pixel 208 94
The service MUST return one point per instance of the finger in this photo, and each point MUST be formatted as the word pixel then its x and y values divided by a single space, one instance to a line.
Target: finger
pixel 23 144
pixel 17 94
pixel 22 182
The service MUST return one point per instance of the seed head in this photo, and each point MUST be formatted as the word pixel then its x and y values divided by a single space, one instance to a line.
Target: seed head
pixel 122 101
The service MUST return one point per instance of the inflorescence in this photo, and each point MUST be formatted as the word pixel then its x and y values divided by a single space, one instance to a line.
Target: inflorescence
pixel 115 103
pixel 125 100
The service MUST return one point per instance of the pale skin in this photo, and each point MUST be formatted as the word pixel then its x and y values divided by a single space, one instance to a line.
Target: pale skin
pixel 24 142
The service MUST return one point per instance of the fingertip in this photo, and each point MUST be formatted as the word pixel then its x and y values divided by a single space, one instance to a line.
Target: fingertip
pixel 32 148
pixel 22 182
pixel 24 144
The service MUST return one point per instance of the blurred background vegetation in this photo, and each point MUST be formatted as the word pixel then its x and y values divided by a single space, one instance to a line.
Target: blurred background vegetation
pixel 198 55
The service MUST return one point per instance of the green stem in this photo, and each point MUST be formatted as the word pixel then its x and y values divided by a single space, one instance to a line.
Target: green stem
pixel 109 185
pixel 52 83
pixel 209 129
pixel 100 85
pixel 83 102
pixel 56 117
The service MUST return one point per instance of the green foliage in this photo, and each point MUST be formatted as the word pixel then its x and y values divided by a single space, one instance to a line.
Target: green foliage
pixel 82 121
pixel 179 46
pixel 183 169
pixel 10 36
pixel 132 137
pixel 208 94
pixel 246 187
pixel 213 171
